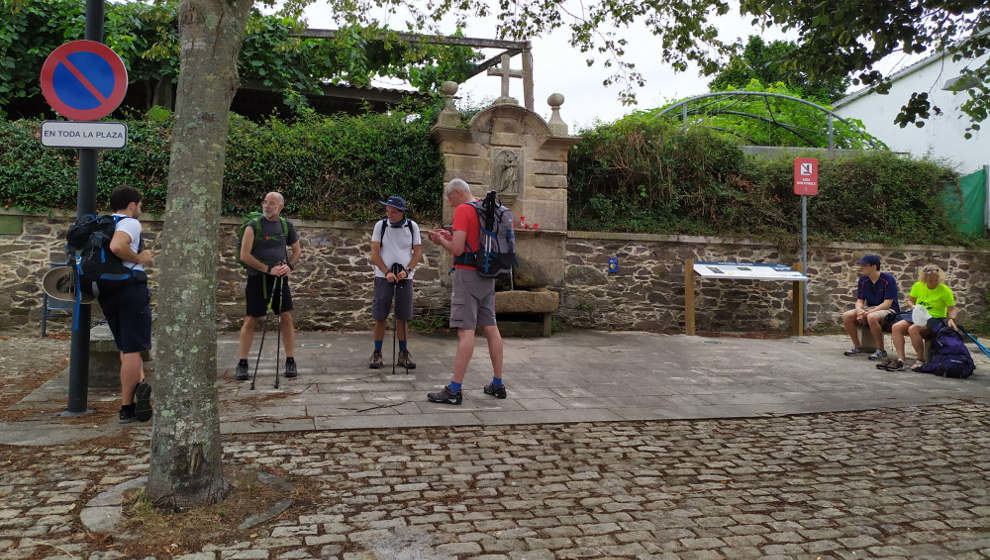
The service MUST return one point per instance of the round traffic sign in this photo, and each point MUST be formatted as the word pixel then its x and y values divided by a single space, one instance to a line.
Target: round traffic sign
pixel 83 80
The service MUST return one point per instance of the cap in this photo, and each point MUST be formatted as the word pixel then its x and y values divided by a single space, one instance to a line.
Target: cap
pixel 396 202
pixel 870 259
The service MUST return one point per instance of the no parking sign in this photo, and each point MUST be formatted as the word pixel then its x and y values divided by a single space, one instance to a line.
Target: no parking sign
pixel 83 80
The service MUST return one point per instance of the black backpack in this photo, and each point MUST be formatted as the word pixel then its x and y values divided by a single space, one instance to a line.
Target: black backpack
pixel 93 263
pixel 497 253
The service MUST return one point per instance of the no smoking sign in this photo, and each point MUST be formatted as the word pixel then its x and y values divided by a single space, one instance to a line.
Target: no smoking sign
pixel 805 176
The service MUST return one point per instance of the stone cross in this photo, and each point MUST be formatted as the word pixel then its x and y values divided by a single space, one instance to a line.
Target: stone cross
pixel 505 72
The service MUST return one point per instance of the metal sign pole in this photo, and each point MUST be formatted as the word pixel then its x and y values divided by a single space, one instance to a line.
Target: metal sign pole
pixel 804 261
pixel 85 204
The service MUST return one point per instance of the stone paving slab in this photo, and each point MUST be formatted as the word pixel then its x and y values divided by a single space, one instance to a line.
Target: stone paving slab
pixel 572 377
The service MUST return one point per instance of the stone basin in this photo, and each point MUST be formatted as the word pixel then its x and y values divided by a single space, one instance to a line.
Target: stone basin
pixel 514 303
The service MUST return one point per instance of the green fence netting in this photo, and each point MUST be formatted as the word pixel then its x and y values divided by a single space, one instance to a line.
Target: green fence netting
pixel 967 206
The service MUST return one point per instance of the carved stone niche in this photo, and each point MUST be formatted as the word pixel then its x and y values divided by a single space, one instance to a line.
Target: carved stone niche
pixel 507 172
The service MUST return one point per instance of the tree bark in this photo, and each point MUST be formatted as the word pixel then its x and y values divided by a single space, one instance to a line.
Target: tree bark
pixel 186 451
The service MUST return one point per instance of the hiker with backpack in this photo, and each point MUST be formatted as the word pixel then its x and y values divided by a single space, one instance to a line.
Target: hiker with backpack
pixel 396 248
pixel 472 297
pixel 929 298
pixel 126 304
pixel 269 250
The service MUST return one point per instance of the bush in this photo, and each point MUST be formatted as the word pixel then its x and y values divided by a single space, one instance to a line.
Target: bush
pixel 649 175
pixel 331 168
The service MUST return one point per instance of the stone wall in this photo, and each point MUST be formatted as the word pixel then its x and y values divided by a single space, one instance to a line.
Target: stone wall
pixel 647 292
pixel 332 287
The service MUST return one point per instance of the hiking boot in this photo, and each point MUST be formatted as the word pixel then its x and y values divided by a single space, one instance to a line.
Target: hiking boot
pixel 404 360
pixel 290 368
pixel 242 371
pixel 142 402
pixel 878 355
pixel 855 351
pixel 376 360
pixel 497 392
pixel 126 416
pixel 445 396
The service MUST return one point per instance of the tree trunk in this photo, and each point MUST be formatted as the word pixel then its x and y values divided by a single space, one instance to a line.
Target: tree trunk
pixel 186 451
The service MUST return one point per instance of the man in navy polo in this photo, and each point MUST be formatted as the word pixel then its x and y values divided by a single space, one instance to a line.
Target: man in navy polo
pixel 876 306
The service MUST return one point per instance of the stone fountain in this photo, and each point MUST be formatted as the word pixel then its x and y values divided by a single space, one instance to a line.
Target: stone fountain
pixel 512 150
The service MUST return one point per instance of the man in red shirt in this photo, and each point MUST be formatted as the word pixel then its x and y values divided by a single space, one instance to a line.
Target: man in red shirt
pixel 472 299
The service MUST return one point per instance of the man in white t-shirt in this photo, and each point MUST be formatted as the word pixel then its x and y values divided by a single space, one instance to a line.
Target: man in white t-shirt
pixel 127 307
pixel 396 248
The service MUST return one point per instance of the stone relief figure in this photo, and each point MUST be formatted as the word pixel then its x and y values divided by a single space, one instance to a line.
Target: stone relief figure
pixel 505 172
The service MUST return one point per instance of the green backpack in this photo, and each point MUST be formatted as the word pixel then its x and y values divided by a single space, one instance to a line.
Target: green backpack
pixel 254 221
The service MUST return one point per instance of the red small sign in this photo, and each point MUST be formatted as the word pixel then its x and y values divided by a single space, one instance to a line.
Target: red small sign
pixel 806 176
pixel 83 80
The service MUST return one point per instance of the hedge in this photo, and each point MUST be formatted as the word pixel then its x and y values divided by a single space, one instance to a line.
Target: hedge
pixel 333 168
pixel 648 175
pixel 638 175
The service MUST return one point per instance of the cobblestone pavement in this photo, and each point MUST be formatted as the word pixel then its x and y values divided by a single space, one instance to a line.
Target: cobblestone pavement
pixel 895 483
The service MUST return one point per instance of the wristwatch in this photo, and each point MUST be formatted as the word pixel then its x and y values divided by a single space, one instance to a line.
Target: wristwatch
pixel 269 271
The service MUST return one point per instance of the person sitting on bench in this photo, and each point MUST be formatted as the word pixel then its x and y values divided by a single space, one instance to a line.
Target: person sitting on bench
pixel 876 305
pixel 931 293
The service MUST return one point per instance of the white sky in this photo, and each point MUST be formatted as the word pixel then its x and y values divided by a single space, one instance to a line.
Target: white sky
pixel 560 68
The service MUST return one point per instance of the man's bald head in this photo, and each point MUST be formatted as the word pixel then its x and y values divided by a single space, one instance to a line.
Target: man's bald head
pixel 272 205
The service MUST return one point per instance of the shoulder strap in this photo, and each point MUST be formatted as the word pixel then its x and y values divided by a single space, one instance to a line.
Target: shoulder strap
pixel 384 228
pixel 285 229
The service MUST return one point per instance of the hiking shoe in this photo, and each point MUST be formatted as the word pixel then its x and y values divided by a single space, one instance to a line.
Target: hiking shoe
pixel 242 371
pixel 142 402
pixel 878 355
pixel 497 392
pixel 126 416
pixel 290 368
pixel 854 351
pixel 376 360
pixel 404 360
pixel 445 396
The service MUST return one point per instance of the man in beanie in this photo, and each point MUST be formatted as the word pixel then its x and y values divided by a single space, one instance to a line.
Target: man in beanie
pixel 396 248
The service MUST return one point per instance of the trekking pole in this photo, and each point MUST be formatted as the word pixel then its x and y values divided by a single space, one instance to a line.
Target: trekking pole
pixel 280 282
pixel 264 329
pixel 395 311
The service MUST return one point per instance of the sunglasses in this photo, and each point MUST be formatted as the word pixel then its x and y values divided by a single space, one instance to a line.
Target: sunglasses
pixel 931 271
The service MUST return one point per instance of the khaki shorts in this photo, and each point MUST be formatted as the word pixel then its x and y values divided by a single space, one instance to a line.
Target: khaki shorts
pixel 472 300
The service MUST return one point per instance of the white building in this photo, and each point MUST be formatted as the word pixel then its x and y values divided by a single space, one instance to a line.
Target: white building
pixel 942 136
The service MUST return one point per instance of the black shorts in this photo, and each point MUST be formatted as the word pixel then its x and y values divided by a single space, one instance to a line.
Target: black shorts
pixel 381 302
pixel 259 293
pixel 127 309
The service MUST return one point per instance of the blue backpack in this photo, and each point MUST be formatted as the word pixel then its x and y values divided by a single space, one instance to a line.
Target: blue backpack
pixel 950 357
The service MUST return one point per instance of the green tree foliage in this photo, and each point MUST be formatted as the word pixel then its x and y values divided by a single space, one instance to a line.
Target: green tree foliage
pixel 145 35
pixel 332 168
pixel 771 63
pixel 768 121
pixel 647 175
pixel 835 38
pixel 850 37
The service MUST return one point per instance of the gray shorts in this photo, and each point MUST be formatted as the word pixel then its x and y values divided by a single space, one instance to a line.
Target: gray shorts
pixel 472 300
pixel 381 303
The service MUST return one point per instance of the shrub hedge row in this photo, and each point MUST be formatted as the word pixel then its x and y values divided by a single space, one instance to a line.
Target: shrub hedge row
pixel 636 175
pixel 655 176
pixel 334 168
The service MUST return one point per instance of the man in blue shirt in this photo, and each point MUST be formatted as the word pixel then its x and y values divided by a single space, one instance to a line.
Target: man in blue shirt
pixel 876 306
